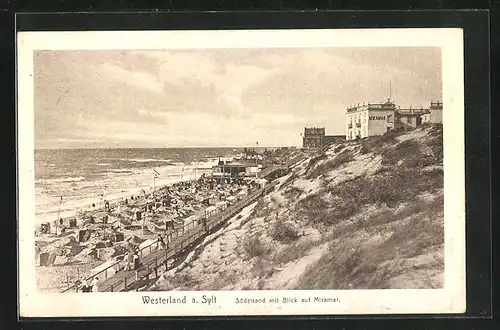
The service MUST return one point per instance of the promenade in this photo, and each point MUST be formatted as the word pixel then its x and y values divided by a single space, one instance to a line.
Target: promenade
pixel 153 257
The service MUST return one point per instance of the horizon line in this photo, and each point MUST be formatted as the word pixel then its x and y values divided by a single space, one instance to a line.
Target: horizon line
pixel 189 147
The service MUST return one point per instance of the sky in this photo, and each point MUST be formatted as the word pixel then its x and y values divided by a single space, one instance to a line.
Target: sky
pixel 218 97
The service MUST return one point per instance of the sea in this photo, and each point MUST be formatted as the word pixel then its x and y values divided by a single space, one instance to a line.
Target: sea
pixel 71 180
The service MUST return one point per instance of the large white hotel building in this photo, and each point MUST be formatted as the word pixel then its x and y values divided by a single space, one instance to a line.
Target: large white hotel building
pixel 371 119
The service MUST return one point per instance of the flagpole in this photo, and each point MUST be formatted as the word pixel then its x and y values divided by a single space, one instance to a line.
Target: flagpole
pixel 144 219
pixel 58 214
pixel 104 197
pixel 256 144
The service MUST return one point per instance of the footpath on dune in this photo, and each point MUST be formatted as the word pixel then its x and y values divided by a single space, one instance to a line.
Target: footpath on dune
pixel 365 214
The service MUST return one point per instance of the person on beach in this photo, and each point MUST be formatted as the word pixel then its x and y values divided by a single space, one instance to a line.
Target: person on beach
pixel 95 284
pixel 84 286
pixel 136 261
pixel 161 241
pixel 127 261
pixel 131 260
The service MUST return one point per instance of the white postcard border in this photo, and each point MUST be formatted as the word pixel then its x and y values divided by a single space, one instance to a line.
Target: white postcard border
pixel 450 299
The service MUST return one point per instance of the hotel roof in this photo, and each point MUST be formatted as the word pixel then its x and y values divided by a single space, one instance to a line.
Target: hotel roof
pixel 389 105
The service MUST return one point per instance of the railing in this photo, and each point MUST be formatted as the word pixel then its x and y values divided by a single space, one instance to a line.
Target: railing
pixel 213 222
pixel 173 234
pixel 192 236
pixel 294 160
pixel 108 269
pixel 270 170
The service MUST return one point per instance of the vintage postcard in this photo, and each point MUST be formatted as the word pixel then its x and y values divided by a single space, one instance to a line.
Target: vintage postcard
pixel 259 172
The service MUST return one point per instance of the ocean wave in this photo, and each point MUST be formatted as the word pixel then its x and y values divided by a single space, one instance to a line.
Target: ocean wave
pixel 103 164
pixel 121 171
pixel 145 160
pixel 207 164
pixel 69 179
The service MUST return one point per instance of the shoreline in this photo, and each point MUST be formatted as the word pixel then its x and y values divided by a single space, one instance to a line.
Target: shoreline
pixel 63 245
pixel 115 199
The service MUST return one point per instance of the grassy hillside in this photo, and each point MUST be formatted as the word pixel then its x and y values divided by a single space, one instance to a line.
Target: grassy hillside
pixel 363 215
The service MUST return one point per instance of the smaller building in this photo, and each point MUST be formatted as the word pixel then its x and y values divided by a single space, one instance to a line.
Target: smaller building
pixel 434 114
pixel 316 138
pixel 409 117
pixel 235 170
pixel 313 137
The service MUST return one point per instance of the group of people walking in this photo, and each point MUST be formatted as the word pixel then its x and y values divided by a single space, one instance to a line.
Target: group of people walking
pixel 132 261
pixel 93 287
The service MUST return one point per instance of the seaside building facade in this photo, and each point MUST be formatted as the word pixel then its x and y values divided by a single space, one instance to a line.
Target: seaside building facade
pixel 371 119
pixel 316 138
pixel 235 170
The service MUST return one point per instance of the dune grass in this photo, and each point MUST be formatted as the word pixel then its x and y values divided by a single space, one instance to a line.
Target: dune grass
pixel 255 247
pixel 351 263
pixel 284 232
pixel 331 164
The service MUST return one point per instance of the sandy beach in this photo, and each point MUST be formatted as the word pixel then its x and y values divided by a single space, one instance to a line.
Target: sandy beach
pixel 80 246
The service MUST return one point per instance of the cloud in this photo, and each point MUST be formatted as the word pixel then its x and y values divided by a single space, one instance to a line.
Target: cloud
pixel 139 79
pixel 217 97
pixel 227 81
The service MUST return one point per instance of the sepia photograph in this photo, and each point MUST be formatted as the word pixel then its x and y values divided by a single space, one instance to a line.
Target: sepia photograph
pixel 241 172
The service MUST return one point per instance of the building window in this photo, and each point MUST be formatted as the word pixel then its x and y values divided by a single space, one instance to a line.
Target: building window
pixel 409 120
pixel 389 119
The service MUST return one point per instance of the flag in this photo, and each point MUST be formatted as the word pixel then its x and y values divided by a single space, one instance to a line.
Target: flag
pixel 155 173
